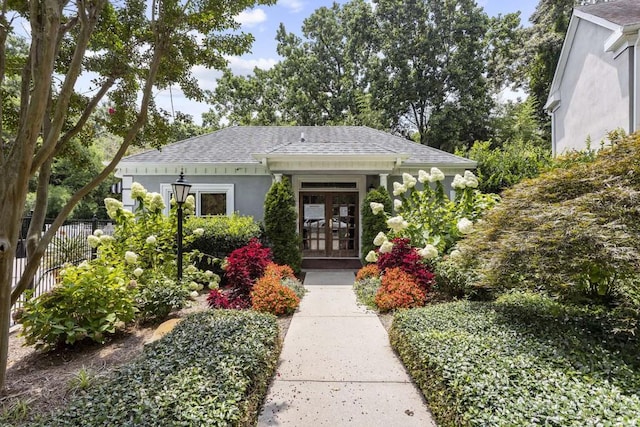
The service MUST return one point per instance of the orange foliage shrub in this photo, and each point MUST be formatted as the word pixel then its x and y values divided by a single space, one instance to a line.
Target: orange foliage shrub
pixel 399 290
pixel 370 270
pixel 270 296
pixel 278 271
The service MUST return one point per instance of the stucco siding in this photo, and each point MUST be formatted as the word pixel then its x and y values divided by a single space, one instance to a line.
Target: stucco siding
pixel 594 93
pixel 248 191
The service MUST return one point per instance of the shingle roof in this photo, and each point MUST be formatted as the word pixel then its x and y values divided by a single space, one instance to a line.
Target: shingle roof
pixel 619 12
pixel 239 144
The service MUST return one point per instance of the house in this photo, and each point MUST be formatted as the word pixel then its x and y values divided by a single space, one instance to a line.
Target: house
pixel 330 168
pixel 596 87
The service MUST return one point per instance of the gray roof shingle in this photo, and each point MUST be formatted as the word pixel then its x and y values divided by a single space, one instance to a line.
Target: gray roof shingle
pixel 619 12
pixel 239 144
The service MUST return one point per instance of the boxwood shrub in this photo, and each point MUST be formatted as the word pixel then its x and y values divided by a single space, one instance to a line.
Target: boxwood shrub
pixel 211 370
pixel 221 235
pixel 523 360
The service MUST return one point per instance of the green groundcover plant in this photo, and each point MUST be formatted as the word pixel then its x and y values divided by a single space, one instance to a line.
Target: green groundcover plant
pixel 522 360
pixel 211 370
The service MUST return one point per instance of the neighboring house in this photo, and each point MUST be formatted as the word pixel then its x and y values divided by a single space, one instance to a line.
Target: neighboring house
pixel 596 87
pixel 330 168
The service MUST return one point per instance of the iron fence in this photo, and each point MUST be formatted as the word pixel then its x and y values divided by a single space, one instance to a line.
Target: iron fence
pixel 69 245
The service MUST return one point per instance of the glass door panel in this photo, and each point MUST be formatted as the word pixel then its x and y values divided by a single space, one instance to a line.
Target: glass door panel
pixel 329 224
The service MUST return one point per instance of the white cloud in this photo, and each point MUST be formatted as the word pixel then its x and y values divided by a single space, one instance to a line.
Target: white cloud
pixel 242 66
pixel 295 5
pixel 251 18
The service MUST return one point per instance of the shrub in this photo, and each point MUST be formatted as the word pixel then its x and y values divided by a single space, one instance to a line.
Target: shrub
pixel 504 166
pixel 212 369
pixel 215 237
pixel 368 271
pixel 270 296
pixel 92 301
pixel 571 232
pixel 158 297
pixel 295 285
pixel 399 290
pixel 373 224
pixel 280 225
pixel 219 299
pixel 522 361
pixel 407 258
pixel 245 266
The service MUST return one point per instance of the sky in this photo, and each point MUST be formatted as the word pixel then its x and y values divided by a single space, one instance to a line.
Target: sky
pixel 263 22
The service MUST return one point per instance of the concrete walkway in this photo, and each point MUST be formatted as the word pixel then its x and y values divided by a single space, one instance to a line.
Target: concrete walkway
pixel 337 367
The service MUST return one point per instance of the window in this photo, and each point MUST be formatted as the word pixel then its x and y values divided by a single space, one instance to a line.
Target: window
pixel 211 199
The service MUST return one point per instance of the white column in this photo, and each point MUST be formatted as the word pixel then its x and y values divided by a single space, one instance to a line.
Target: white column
pixel 277 177
pixel 383 180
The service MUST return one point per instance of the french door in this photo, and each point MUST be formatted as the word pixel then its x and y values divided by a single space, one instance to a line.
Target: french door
pixel 329 224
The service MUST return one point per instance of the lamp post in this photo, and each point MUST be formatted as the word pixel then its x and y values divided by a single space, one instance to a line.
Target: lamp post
pixel 180 191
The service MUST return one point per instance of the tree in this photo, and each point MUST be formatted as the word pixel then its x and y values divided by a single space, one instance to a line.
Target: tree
pixel 430 76
pixel 322 79
pixel 132 47
pixel 280 224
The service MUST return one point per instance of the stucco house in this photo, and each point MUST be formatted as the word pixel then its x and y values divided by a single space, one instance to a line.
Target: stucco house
pixel 596 87
pixel 330 168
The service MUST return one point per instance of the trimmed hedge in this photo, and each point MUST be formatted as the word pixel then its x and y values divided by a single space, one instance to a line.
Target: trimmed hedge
pixel 373 224
pixel 213 369
pixel 524 360
pixel 222 235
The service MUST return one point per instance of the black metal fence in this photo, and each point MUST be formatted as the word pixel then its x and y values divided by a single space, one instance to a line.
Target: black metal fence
pixel 69 245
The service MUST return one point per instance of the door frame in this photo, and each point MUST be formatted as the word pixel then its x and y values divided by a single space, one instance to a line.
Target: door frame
pixel 360 181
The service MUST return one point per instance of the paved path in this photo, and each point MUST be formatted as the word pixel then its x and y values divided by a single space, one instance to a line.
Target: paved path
pixel 337 367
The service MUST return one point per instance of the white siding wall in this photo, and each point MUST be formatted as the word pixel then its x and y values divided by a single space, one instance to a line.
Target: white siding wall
pixel 594 93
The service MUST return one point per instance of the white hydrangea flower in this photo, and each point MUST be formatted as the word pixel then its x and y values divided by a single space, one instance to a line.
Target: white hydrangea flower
pixel 465 226
pixel 386 247
pixel 397 223
pixel 157 202
pixel 130 257
pixel 458 182
pixel 399 189
pixel 376 208
pixel 380 239
pixel 455 253
pixel 138 191
pixel 194 294
pixel 190 203
pixel 397 204
pixel 113 206
pixel 105 238
pixel 408 180
pixel 436 175
pixel 208 273
pixel 198 231
pixel 423 176
pixel 470 180
pixel 138 272
pixel 93 241
pixel 98 233
pixel 151 240
pixel 372 256
pixel 428 252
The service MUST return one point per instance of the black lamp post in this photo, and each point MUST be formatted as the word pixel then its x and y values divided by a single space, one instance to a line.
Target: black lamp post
pixel 180 191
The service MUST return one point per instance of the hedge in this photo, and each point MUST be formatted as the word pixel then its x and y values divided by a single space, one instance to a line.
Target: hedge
pixel 213 369
pixel 523 360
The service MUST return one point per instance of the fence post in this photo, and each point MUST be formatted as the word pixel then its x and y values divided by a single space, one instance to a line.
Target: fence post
pixel 94 227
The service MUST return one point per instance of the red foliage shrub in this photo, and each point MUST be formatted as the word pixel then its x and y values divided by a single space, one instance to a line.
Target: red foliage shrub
pixel 399 290
pixel 368 271
pixel 244 266
pixel 218 299
pixel 407 258
pixel 270 296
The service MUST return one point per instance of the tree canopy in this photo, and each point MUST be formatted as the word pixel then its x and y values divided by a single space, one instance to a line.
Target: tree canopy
pixel 131 48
